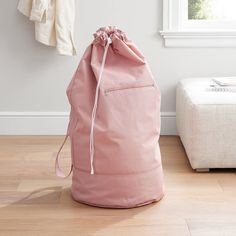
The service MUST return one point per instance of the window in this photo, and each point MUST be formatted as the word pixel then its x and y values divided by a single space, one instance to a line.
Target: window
pixel 209 14
pixel 199 23
pixel 211 9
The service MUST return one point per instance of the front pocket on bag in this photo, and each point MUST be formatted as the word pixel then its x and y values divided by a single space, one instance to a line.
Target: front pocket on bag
pixel 125 87
pixel 131 107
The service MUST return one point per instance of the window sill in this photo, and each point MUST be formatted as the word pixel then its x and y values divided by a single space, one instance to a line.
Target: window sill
pixel 209 39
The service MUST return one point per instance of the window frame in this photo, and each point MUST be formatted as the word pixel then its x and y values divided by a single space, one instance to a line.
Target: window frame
pixel 176 34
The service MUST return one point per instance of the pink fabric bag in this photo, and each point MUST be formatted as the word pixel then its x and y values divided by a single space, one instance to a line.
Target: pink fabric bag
pixel 114 126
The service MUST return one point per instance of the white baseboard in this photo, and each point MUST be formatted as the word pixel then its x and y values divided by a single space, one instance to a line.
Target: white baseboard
pixel 55 123
pixel 33 123
pixel 168 123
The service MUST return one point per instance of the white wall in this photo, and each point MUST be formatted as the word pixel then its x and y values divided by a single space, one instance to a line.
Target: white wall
pixel 33 78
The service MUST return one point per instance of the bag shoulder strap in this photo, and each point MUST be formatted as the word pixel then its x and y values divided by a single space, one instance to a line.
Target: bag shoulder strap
pixel 58 170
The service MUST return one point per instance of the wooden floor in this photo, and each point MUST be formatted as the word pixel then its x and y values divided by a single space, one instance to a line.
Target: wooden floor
pixel 34 202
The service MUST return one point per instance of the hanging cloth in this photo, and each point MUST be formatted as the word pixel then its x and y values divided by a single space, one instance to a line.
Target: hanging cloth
pixel 54 22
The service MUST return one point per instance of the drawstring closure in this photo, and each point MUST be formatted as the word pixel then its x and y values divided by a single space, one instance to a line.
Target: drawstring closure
pixel 91 144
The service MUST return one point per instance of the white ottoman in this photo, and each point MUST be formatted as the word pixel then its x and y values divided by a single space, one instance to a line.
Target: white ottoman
pixel 206 122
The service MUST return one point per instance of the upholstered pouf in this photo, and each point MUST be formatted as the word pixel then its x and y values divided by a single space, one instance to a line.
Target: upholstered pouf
pixel 206 122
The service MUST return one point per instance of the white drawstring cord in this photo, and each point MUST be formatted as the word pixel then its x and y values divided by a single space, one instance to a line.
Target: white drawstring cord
pixel 91 145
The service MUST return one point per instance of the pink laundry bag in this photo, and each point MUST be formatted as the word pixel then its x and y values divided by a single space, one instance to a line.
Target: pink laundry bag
pixel 114 126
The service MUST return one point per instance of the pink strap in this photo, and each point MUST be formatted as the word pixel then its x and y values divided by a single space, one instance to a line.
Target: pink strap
pixel 58 170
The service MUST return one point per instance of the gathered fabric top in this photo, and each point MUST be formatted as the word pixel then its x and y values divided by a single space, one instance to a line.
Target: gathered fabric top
pixel 101 35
